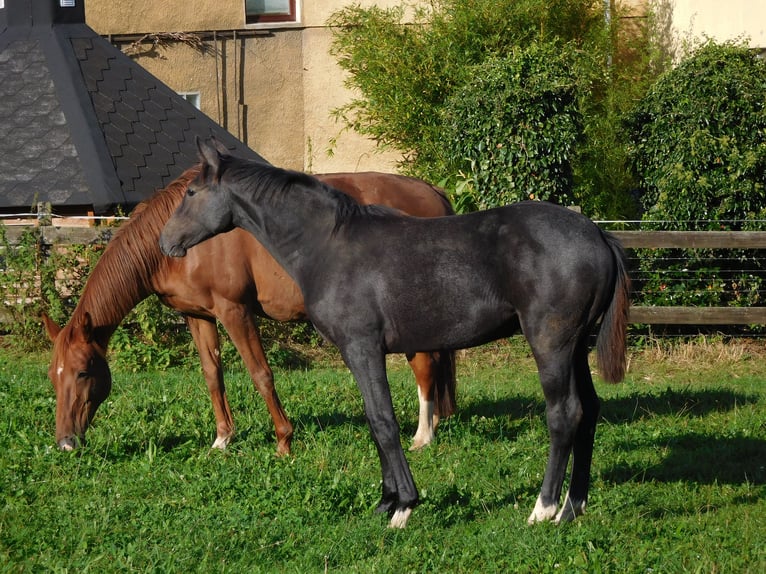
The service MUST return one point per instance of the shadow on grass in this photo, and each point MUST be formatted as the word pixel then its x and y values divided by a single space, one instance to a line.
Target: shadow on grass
pixel 627 409
pixel 518 407
pixel 695 457
pixel 689 403
pixel 700 458
pixel 621 410
pixel 458 506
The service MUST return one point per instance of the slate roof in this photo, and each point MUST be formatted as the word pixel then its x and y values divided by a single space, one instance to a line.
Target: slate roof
pixel 81 124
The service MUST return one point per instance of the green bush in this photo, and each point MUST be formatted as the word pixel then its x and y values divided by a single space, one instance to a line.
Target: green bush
pixel 699 150
pixel 406 73
pixel 699 139
pixel 152 336
pixel 512 130
pixel 409 70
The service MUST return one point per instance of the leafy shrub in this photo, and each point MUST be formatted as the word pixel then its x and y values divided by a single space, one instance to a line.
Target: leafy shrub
pixel 151 336
pixel 408 69
pixel 699 139
pixel 512 130
pixel 407 73
pixel 699 151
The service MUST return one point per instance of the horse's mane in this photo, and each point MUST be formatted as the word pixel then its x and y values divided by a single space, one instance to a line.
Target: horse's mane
pixel 122 277
pixel 272 183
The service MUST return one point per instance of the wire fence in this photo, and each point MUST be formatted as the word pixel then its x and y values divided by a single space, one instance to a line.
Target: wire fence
pixel 695 276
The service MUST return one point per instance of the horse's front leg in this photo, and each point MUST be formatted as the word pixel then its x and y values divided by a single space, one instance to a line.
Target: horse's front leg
pixel 400 495
pixel 239 323
pixel 205 336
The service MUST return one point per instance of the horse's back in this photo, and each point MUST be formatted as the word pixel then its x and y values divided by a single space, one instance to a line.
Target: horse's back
pixel 408 194
pixel 473 276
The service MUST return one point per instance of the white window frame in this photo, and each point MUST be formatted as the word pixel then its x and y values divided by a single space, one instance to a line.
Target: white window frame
pixel 192 97
pixel 290 20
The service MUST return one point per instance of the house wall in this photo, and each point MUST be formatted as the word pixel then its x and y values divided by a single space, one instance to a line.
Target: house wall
pixel 275 88
pixel 721 21
pixel 272 87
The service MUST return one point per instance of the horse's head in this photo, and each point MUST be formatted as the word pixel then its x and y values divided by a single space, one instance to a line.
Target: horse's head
pixel 80 376
pixel 204 210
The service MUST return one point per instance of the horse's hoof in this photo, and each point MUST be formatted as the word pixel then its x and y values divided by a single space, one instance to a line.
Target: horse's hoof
pixel 283 448
pixel 68 444
pixel 400 517
pixel 419 444
pixel 542 512
pixel 221 443
pixel 570 510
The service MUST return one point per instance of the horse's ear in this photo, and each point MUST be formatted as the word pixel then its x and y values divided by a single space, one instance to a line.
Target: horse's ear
pixel 222 149
pixel 51 327
pixel 85 327
pixel 209 155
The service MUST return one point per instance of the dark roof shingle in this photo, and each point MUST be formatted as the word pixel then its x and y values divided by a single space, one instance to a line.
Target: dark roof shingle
pixel 81 124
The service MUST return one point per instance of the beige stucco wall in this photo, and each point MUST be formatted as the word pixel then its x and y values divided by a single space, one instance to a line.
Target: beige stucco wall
pixel 720 20
pixel 141 16
pixel 274 91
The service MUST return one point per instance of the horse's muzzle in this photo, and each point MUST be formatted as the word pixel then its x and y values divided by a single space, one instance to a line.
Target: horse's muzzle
pixel 171 250
pixel 69 443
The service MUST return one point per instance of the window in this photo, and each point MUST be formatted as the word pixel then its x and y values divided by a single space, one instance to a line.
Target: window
pixel 265 11
pixel 191 97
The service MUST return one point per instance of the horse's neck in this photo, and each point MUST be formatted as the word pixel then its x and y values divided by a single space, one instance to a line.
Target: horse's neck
pixel 292 234
pixel 117 284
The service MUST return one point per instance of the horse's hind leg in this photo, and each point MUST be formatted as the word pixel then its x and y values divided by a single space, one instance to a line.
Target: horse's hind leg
pixel 435 378
pixel 422 365
pixel 205 336
pixel 563 413
pixel 582 455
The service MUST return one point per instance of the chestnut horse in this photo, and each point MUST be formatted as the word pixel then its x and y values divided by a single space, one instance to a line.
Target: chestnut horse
pixel 231 279
pixel 375 281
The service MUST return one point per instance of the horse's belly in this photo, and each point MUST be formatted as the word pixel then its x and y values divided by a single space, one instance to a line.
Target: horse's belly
pixel 458 328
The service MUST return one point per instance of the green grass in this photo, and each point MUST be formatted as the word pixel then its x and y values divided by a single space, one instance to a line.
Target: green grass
pixel 679 477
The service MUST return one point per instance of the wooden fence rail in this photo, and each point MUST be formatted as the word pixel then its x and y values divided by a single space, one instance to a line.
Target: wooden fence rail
pixel 56 236
pixel 692 239
pixel 695 240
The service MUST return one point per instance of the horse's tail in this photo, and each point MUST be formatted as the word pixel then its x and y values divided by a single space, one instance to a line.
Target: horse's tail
pixel 611 342
pixel 445 383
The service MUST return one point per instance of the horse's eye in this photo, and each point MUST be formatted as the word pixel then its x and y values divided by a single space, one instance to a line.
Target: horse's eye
pixel 82 374
pixel 190 192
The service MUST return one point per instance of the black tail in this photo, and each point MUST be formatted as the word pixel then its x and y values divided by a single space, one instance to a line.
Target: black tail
pixel 445 383
pixel 612 337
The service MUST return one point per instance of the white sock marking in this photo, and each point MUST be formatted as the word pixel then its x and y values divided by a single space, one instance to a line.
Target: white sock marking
pixel 425 433
pixel 220 443
pixel 541 513
pixel 400 517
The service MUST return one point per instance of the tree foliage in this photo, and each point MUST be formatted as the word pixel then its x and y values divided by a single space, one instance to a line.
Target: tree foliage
pixel 699 138
pixel 415 73
pixel 512 129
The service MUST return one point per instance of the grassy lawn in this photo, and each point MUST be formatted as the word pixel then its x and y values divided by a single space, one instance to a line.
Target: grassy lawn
pixel 679 474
